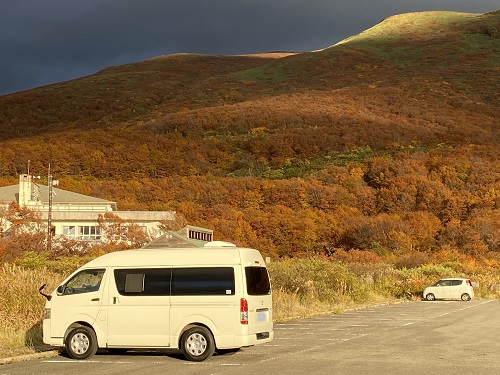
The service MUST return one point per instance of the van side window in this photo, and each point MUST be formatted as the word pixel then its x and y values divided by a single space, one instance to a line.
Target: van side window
pixel 257 281
pixel 143 282
pixel 203 281
pixel 85 281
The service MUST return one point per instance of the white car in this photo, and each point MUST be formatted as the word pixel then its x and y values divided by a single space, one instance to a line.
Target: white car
pixel 451 288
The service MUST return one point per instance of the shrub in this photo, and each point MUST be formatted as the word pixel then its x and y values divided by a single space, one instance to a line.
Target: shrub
pixel 311 279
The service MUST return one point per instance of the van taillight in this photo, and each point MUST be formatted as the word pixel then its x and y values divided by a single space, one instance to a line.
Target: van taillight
pixel 243 311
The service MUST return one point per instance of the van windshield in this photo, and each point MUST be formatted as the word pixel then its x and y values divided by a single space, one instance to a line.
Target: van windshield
pixel 84 282
pixel 257 281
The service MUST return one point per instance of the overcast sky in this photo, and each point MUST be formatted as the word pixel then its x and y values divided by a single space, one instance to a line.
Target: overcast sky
pixel 47 41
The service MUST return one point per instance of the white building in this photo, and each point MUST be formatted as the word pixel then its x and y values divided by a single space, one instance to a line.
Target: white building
pixel 76 215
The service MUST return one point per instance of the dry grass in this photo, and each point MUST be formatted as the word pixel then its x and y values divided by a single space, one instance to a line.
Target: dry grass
pixel 307 287
pixel 22 307
pixel 301 288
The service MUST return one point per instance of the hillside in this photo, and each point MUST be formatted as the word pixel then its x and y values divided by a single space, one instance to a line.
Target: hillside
pixel 401 119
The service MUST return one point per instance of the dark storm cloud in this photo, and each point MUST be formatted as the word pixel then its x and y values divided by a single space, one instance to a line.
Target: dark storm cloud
pixel 54 40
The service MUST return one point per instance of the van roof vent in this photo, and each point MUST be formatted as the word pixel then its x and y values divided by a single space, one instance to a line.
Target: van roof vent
pixel 219 244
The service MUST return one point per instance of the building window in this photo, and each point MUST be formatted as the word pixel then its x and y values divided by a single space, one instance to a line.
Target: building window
pixel 82 233
pixel 69 231
pixel 197 235
pixel 89 233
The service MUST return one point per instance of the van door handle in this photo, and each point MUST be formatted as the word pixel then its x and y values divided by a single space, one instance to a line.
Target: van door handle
pixel 94 300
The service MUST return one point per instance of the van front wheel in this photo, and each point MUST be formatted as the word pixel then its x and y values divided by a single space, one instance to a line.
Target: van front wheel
pixel 81 343
pixel 197 344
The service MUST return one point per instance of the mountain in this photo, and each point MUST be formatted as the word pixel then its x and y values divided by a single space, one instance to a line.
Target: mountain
pixel 430 78
pixel 418 84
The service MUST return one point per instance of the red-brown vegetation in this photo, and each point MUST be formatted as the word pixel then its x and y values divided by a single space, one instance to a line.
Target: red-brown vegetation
pixel 387 143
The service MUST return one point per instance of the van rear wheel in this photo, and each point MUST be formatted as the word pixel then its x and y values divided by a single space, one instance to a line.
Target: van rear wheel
pixel 197 344
pixel 81 343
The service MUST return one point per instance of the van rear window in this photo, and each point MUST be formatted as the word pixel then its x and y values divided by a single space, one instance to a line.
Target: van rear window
pixel 257 281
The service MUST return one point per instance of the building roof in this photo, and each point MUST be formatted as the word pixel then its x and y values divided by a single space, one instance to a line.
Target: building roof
pixel 181 239
pixel 173 240
pixel 141 216
pixel 10 194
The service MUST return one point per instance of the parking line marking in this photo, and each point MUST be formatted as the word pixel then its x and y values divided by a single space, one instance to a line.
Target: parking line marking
pixel 71 361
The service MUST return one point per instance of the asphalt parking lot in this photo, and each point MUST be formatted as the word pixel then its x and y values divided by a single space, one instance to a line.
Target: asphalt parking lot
pixel 445 337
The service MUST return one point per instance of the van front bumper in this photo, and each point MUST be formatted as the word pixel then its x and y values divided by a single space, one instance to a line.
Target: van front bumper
pixel 47 339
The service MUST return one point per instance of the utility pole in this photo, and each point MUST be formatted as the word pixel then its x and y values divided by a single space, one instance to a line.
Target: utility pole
pixel 51 183
pixel 49 215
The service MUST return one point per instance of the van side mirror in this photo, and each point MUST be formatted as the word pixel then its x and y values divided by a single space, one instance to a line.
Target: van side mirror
pixel 49 297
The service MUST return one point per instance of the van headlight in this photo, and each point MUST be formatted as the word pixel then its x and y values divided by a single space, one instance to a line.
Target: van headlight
pixel 46 314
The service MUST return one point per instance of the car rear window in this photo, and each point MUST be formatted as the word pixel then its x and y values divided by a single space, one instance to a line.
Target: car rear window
pixel 257 281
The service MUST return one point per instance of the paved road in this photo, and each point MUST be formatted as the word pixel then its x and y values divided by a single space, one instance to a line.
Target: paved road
pixel 451 337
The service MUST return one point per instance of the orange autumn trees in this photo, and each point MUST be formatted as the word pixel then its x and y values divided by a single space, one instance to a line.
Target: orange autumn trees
pixel 21 231
pixel 417 204
pixel 400 202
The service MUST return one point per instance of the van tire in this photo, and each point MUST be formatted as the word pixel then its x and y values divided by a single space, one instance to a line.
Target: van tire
pixel 465 297
pixel 81 343
pixel 430 297
pixel 197 344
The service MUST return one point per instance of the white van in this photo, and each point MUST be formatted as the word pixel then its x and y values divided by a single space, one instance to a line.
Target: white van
pixel 197 300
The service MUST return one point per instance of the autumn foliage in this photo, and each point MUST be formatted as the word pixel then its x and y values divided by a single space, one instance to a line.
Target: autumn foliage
pixel 385 145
